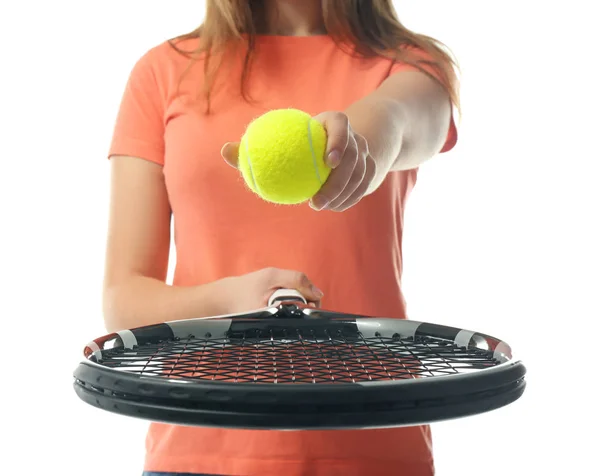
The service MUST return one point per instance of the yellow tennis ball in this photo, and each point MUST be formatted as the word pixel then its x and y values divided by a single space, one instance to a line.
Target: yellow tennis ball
pixel 282 156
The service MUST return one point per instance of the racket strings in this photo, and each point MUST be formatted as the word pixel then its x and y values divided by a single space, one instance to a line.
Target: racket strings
pixel 299 356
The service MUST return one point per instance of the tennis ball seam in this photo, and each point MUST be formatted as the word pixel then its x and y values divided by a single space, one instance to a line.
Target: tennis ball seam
pixel 249 160
pixel 312 151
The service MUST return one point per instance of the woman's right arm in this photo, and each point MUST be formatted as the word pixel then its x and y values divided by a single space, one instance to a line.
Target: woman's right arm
pixel 135 293
pixel 137 254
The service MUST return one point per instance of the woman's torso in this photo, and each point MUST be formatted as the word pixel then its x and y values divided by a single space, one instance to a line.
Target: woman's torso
pixel 222 229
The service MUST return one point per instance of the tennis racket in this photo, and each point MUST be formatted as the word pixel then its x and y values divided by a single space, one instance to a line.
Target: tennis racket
pixel 290 366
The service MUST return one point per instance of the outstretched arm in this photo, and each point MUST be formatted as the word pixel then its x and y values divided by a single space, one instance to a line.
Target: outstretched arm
pixel 405 121
pixel 402 124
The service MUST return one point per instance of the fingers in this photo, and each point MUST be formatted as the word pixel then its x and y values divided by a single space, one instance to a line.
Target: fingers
pixel 349 182
pixel 360 192
pixel 288 279
pixel 338 181
pixel 230 152
pixel 356 181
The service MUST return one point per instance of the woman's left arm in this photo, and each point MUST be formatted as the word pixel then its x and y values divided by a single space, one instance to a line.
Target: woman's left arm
pixel 405 121
pixel 399 126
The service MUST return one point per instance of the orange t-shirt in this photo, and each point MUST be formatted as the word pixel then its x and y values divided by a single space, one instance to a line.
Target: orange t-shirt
pixel 222 229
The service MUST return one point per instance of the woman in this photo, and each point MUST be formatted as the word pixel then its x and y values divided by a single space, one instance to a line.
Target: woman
pixel 385 96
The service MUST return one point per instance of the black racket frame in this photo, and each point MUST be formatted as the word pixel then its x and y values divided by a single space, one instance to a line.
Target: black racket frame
pixel 301 406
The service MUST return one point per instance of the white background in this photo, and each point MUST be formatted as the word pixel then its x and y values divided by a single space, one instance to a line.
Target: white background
pixel 501 233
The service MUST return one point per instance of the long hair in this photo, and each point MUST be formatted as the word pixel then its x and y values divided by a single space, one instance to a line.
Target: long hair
pixel 368 28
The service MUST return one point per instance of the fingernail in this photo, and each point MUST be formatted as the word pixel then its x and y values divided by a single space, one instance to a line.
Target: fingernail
pixel 333 159
pixel 317 292
pixel 318 202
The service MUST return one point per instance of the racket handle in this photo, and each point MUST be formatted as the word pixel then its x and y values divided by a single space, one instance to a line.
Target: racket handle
pixel 286 295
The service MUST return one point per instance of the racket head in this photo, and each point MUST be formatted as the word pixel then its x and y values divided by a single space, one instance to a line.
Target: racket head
pixel 290 366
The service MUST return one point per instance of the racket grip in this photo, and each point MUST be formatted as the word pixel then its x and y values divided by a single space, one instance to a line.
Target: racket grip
pixel 286 295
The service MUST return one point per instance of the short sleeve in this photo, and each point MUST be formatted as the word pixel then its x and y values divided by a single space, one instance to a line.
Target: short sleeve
pixel 139 126
pixel 398 67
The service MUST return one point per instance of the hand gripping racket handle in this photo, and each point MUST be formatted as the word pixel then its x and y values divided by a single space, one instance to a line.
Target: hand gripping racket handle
pixel 286 295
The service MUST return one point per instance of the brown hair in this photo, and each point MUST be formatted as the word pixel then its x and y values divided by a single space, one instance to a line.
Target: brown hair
pixel 368 27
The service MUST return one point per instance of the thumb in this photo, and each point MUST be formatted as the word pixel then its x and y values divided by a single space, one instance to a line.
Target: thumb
pixel 230 152
pixel 338 135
